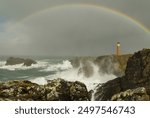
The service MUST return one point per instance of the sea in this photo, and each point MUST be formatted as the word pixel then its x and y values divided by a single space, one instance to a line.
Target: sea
pixel 49 68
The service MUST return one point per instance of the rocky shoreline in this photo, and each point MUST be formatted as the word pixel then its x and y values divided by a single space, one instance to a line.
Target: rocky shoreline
pixel 55 90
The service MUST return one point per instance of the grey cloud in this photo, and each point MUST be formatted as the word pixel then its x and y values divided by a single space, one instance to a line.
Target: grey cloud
pixel 72 31
pixel 81 32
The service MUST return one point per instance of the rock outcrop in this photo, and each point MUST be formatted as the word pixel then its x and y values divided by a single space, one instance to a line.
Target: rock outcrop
pixel 107 90
pixel 55 90
pixel 138 94
pixel 137 74
pixel 25 62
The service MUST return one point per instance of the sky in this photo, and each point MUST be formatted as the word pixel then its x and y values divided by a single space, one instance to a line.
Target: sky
pixel 73 27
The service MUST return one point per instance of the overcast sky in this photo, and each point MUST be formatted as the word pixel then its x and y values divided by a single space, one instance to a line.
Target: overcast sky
pixel 72 29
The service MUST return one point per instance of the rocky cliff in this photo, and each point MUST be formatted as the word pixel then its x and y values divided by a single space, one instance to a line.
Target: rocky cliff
pixel 110 64
pixel 137 74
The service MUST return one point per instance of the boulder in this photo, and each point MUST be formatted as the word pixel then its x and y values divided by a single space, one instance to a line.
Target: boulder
pixel 25 62
pixel 137 74
pixel 59 89
pixel 55 90
pixel 21 90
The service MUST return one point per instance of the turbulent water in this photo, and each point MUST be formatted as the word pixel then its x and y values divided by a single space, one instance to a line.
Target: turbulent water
pixel 53 68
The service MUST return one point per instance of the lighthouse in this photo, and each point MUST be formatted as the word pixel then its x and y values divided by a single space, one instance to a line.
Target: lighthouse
pixel 118 48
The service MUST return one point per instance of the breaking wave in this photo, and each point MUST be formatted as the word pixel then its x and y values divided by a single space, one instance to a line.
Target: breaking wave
pixel 44 65
pixel 65 65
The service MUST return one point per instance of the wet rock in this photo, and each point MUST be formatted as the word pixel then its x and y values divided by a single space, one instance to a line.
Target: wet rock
pixel 138 94
pixel 55 90
pixel 21 90
pixel 60 89
pixel 78 91
pixel 137 73
pixel 107 90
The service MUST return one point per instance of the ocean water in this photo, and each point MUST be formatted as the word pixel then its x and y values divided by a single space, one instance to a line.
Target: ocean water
pixel 48 68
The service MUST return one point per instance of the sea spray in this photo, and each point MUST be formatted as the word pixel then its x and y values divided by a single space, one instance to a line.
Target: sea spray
pixel 91 82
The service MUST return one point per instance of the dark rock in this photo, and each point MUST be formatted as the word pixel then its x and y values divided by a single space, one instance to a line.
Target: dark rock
pixel 107 90
pixel 14 61
pixel 29 62
pixel 138 94
pixel 21 90
pixel 78 91
pixel 137 74
pixel 25 62
pixel 55 90
pixel 60 89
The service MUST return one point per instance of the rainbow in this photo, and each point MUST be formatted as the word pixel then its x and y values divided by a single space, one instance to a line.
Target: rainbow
pixel 99 7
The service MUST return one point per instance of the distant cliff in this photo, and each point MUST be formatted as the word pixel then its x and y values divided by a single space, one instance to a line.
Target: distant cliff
pixel 109 64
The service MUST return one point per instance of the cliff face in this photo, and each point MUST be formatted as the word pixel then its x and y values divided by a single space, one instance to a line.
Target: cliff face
pixel 113 64
pixel 137 74
pixel 110 64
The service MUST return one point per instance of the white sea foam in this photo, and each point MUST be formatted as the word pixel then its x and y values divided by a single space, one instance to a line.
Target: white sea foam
pixel 39 80
pixel 39 64
pixel 43 64
pixel 65 65
pixel 2 63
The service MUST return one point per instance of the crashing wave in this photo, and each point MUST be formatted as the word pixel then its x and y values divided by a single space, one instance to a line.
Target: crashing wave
pixel 65 65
